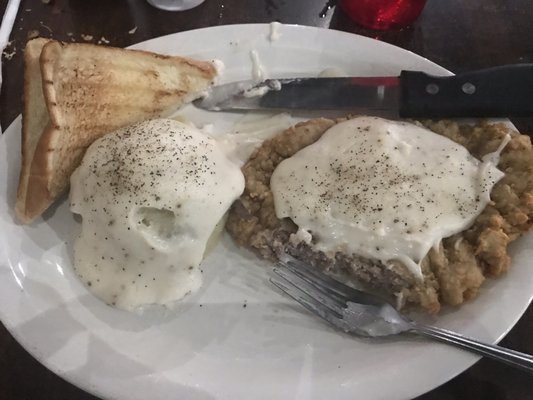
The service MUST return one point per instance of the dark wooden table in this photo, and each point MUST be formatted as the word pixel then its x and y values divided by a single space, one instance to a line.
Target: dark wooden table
pixel 457 34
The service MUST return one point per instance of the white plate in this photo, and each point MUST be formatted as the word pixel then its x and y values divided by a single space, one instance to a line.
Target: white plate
pixel 271 348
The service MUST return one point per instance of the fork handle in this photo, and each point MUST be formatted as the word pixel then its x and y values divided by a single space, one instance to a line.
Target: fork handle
pixel 510 357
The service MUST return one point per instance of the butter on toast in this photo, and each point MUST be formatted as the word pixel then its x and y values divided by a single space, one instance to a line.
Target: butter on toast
pixel 88 91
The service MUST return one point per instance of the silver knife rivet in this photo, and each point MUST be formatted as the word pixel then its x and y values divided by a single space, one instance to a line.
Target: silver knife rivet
pixel 432 88
pixel 468 88
pixel 381 92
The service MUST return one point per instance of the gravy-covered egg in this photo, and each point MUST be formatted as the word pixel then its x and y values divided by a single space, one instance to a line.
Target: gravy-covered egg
pixel 150 196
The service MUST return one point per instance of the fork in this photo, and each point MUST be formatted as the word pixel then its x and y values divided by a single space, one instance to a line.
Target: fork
pixel 367 315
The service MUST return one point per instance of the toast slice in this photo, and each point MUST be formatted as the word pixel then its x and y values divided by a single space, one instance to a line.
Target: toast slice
pixel 88 91
pixel 34 117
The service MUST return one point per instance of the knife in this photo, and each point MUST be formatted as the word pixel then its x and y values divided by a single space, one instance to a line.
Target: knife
pixel 505 91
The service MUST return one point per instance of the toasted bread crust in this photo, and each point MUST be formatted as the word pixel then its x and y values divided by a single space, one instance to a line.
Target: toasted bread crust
pixel 34 119
pixel 89 91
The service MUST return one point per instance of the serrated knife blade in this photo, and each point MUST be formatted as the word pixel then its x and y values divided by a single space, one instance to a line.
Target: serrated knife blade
pixel 504 91
pixel 379 94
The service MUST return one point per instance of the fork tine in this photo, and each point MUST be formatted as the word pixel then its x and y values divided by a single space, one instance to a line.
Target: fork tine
pixel 316 281
pixel 310 304
pixel 319 279
pixel 333 303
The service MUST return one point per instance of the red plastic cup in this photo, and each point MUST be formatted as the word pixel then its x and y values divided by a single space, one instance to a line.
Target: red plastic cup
pixel 383 14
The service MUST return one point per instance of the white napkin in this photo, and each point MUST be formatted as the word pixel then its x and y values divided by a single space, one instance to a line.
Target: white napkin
pixel 5 29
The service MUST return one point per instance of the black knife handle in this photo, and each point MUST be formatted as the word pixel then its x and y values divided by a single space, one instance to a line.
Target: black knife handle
pixel 505 91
